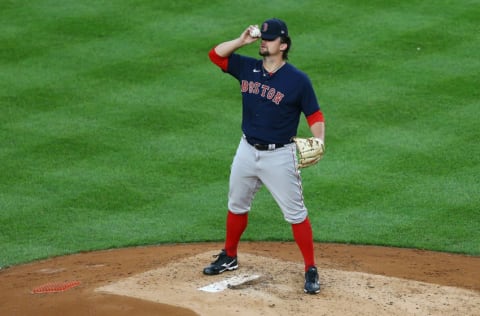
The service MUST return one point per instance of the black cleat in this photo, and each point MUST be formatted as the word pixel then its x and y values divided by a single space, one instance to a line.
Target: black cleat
pixel 222 264
pixel 312 283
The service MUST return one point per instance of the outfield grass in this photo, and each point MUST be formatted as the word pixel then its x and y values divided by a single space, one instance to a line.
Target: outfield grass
pixel 116 130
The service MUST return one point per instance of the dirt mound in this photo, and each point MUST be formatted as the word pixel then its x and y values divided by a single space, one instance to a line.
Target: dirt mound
pixel 276 290
pixel 168 280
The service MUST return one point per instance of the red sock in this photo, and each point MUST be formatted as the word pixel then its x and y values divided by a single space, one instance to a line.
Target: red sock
pixel 302 233
pixel 236 224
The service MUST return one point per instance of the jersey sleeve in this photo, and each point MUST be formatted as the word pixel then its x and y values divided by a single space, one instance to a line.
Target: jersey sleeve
pixel 233 64
pixel 238 65
pixel 309 99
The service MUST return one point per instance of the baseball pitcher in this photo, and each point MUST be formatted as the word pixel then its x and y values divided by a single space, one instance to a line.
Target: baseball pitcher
pixel 275 94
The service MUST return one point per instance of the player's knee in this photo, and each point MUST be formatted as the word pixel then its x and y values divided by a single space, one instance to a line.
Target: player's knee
pixel 296 218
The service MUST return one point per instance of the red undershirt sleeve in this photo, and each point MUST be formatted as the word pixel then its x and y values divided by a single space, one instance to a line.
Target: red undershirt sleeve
pixel 315 117
pixel 220 61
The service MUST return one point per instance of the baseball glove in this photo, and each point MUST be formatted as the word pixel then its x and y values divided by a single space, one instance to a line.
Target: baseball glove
pixel 310 151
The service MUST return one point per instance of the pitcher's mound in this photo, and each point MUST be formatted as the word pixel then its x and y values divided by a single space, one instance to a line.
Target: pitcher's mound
pixel 168 280
pixel 268 286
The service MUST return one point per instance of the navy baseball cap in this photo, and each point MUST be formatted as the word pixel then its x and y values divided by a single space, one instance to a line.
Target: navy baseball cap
pixel 273 28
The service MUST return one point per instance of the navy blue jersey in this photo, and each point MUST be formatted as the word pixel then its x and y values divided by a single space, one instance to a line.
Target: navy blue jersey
pixel 272 104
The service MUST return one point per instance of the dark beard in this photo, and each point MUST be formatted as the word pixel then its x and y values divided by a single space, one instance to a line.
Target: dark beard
pixel 264 54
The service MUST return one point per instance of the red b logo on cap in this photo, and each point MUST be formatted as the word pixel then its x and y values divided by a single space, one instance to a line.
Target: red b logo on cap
pixel 264 27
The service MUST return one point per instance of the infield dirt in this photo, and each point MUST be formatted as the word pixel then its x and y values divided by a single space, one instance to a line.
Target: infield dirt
pixel 165 280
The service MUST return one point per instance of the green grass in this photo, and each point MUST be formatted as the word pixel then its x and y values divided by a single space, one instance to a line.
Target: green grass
pixel 116 130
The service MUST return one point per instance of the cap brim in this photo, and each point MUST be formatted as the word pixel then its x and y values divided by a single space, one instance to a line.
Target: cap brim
pixel 269 36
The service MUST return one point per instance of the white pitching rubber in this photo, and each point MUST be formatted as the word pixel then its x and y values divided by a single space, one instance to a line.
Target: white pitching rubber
pixel 227 283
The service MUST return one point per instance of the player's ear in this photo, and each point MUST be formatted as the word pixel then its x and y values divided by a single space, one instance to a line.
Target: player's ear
pixel 283 46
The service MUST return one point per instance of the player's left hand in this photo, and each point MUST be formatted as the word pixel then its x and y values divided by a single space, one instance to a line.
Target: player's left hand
pixel 310 151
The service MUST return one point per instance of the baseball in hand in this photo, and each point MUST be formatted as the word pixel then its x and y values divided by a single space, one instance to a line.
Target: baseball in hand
pixel 255 32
